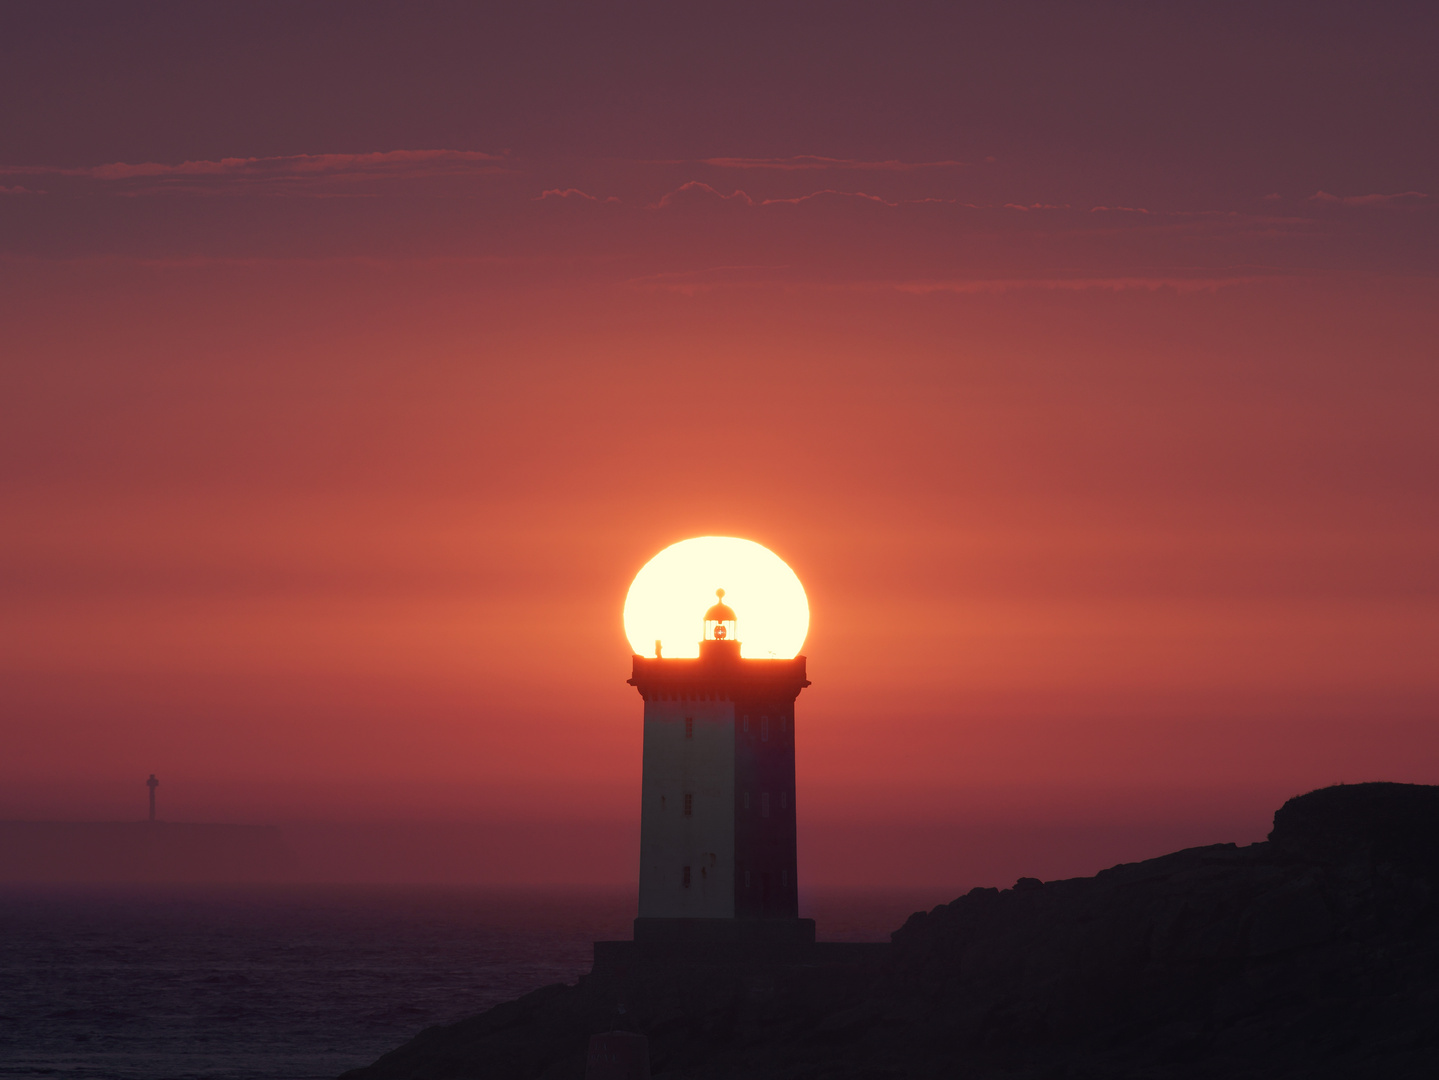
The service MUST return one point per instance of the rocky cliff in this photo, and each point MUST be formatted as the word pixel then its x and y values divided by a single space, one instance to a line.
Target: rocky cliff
pixel 1314 954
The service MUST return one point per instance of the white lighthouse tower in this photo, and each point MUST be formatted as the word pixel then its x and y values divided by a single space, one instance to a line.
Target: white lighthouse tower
pixel 717 822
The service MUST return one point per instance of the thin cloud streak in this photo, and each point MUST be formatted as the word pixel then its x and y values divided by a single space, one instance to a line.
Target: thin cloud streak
pixel 365 262
pixel 813 161
pixel 1402 198
pixel 275 173
pixel 853 195
pixel 715 278
pixel 999 285
pixel 739 195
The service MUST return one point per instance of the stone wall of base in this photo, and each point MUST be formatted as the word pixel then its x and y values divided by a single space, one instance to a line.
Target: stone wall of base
pixel 626 959
pixel 795 931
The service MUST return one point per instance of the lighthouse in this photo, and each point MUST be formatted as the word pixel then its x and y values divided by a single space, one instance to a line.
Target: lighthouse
pixel 717 820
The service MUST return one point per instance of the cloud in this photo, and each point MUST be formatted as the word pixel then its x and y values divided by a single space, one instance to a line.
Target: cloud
pixel 1075 284
pixel 18 190
pixel 1402 198
pixel 1119 210
pixel 386 263
pixel 572 193
pixel 702 189
pixel 710 279
pixel 812 161
pixel 1143 212
pixel 698 187
pixel 273 174
pixel 850 195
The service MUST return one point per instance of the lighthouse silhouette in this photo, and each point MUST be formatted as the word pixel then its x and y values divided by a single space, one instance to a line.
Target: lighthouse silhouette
pixel 717 821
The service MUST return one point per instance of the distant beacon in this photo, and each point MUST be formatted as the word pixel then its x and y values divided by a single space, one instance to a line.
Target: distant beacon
pixel 717 824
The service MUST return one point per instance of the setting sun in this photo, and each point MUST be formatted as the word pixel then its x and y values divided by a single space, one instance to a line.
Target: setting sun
pixel 669 596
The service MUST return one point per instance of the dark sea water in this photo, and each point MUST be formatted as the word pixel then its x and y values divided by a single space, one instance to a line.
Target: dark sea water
pixel 290 983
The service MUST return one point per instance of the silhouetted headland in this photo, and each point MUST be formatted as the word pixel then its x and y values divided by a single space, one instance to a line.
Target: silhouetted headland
pixel 1314 954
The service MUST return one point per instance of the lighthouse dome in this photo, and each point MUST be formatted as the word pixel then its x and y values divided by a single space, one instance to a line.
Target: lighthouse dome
pixel 720 625
pixel 721 612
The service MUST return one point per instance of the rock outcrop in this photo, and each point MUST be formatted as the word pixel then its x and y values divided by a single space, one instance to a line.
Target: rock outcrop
pixel 1314 954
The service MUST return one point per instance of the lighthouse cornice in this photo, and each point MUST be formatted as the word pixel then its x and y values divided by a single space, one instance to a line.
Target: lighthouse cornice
pixel 717 678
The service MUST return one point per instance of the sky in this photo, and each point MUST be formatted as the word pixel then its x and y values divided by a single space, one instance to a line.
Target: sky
pixel 1079 358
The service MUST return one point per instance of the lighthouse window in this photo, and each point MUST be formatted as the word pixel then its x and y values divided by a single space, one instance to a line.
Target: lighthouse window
pixel 746 721
pixel 689 811
pixel 746 800
pixel 763 804
pixel 764 729
pixel 746 879
pixel 689 727
pixel 784 879
pixel 687 877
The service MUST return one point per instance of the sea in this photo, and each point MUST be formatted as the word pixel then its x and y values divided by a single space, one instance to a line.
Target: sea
pixel 298 982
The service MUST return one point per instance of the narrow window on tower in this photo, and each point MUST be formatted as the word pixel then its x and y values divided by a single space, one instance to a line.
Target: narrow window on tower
pixel 746 799
pixel 686 881
pixel 746 721
pixel 689 809
pixel 784 879
pixel 763 804
pixel 746 879
pixel 689 727
pixel 764 729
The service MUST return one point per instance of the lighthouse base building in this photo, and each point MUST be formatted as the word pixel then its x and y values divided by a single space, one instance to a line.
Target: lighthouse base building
pixel 717 821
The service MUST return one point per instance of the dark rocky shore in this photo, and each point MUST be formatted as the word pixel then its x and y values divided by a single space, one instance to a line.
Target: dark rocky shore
pixel 1314 954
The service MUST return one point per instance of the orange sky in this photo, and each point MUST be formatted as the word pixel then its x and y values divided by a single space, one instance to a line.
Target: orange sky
pixel 335 420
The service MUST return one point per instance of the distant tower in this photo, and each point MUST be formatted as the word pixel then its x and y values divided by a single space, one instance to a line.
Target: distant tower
pixel 152 784
pixel 717 822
